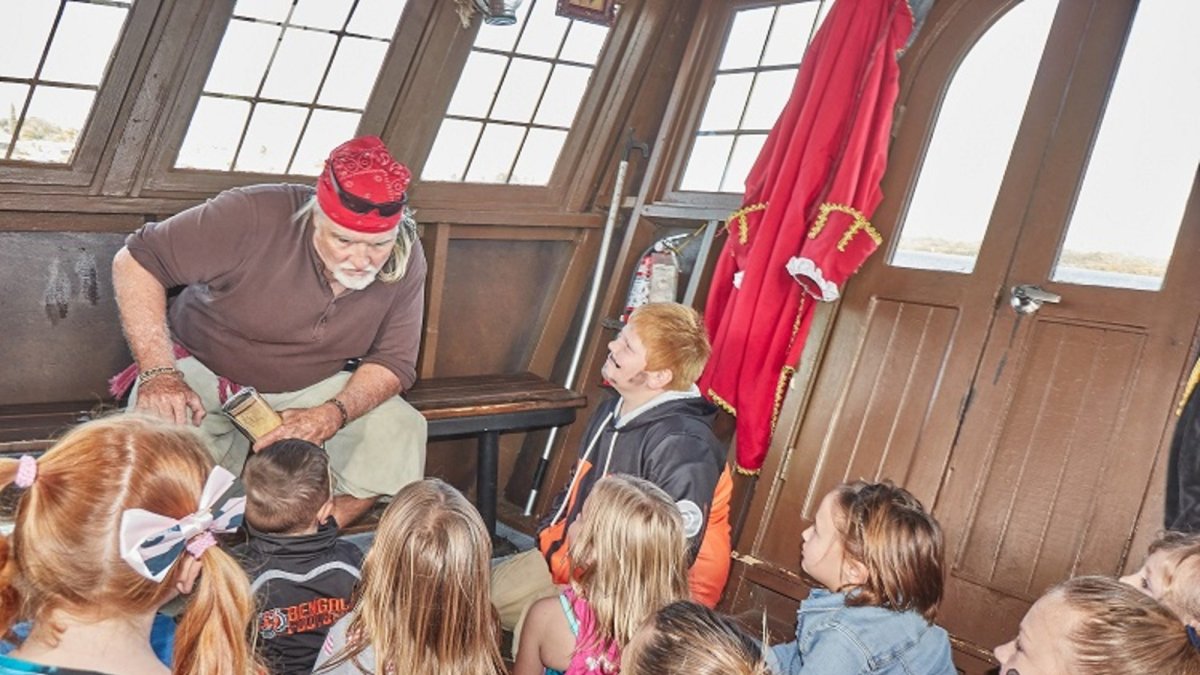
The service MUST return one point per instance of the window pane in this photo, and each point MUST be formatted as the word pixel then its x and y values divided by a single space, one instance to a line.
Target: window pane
pixel 745 151
pixel 706 163
pixel 793 23
pixel 326 130
pixel 726 102
pixel 242 58
pixel 770 93
pixel 352 75
pixel 451 150
pixel 78 40
pixel 497 150
pixel 538 156
pixel 298 66
pixel 265 10
pixel 521 90
pixel 945 223
pixel 543 31
pixel 327 14
pixel 483 71
pixel 503 83
pixel 376 18
pixel 213 134
pixel 743 105
pixel 53 124
pixel 23 33
pixel 584 43
pixel 270 138
pixel 1116 238
pixel 12 100
pixel 563 95
pixel 83 43
pixel 745 43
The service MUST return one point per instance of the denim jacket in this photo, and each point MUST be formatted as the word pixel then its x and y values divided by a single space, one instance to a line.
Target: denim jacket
pixel 833 639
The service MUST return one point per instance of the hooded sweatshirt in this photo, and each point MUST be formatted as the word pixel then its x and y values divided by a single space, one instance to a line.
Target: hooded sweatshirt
pixel 669 442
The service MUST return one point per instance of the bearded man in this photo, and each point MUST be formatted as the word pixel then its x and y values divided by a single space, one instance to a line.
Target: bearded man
pixel 281 287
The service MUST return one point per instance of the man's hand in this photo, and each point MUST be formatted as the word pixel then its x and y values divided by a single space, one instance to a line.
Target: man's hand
pixel 169 397
pixel 315 425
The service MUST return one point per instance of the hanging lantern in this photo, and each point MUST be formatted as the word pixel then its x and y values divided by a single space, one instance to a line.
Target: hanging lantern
pixel 499 12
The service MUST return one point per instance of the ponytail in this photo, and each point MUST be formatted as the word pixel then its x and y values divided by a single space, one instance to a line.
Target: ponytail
pixel 10 597
pixel 212 636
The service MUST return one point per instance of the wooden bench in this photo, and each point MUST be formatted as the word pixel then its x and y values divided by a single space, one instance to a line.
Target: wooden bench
pixel 485 406
pixel 479 406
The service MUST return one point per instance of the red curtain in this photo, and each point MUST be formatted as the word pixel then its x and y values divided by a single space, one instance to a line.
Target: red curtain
pixel 803 228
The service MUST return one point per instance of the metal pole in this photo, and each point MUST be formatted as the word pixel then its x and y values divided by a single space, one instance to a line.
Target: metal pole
pixel 589 309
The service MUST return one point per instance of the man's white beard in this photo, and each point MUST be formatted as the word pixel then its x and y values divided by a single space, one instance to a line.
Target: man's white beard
pixel 355 282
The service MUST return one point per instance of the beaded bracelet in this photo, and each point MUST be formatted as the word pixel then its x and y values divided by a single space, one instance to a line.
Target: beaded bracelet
pixel 152 373
pixel 341 409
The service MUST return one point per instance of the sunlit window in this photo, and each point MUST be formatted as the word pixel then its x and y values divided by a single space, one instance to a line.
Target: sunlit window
pixel 516 99
pixel 290 80
pixel 754 78
pixel 55 55
pixel 1120 235
pixel 969 152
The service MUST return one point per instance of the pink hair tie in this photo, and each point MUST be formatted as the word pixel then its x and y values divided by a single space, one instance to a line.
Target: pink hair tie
pixel 201 543
pixel 26 472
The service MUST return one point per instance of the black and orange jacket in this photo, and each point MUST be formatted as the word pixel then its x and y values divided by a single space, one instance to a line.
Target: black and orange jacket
pixel 302 584
pixel 669 441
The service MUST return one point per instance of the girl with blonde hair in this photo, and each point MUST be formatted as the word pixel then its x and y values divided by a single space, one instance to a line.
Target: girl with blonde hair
pixel 628 557
pixel 687 638
pixel 423 606
pixel 111 523
pixel 1099 626
pixel 1170 574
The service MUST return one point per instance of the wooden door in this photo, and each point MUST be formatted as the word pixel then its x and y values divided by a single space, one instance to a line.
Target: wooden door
pixel 1037 439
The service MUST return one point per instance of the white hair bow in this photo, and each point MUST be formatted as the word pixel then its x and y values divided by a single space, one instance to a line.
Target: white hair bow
pixel 151 543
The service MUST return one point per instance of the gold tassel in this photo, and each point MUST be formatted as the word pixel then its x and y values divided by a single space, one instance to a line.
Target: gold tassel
pixel 1193 380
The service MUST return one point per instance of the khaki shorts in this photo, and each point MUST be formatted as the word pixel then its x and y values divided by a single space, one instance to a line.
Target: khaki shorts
pixel 376 454
pixel 517 582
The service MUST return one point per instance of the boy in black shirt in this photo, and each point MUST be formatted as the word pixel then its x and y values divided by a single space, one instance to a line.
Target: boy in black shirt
pixel 302 574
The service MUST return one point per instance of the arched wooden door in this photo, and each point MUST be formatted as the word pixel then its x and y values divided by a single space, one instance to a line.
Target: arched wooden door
pixel 1037 438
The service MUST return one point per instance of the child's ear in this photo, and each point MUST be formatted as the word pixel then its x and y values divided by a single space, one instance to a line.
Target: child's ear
pixel 326 510
pixel 660 379
pixel 854 573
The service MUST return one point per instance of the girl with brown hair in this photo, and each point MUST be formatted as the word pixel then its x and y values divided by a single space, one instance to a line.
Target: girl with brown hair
pixel 628 556
pixel 423 606
pixel 875 557
pixel 113 522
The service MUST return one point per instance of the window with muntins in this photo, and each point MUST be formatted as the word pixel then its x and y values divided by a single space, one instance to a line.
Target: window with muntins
pixel 516 99
pixel 290 80
pixel 56 54
pixel 753 80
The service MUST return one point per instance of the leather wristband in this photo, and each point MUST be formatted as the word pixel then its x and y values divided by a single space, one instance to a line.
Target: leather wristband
pixel 147 375
pixel 341 407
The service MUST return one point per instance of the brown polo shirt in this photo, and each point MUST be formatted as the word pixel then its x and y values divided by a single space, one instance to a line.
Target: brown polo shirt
pixel 256 307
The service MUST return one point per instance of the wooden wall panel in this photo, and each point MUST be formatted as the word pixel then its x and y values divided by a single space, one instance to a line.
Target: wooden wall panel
pixel 874 431
pixel 1014 544
pixel 494 292
pixel 61 339
pixel 492 289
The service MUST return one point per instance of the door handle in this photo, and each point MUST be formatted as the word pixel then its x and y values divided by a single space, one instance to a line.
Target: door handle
pixel 1029 298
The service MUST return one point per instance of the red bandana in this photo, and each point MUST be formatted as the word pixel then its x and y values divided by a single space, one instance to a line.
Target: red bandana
pixel 368 176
